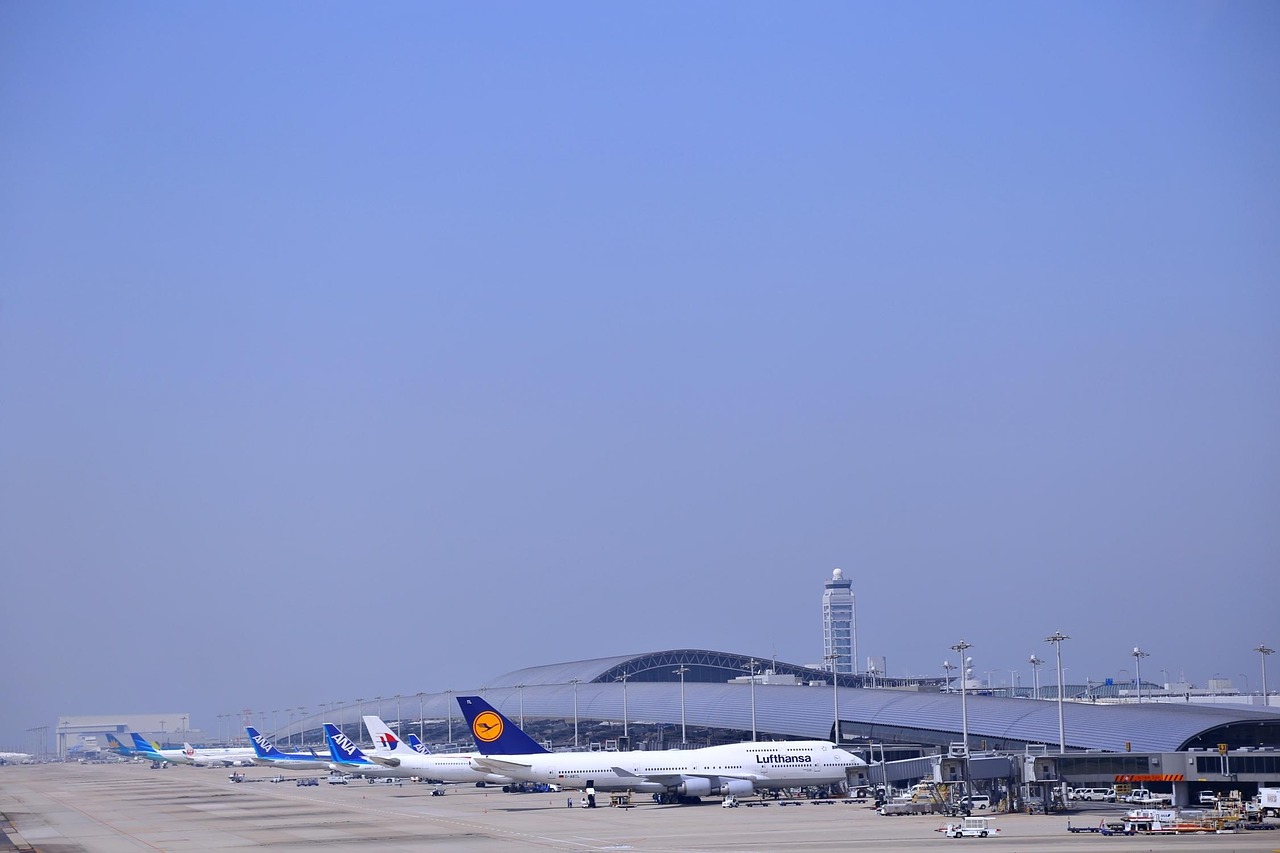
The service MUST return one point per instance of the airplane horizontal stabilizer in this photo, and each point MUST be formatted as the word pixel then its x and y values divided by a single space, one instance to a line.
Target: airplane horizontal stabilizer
pixel 498 765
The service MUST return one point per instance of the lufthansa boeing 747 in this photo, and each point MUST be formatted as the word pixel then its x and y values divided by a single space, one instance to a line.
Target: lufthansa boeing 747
pixel 676 774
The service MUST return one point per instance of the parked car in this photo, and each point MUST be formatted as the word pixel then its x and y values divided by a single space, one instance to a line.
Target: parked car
pixel 974 803
pixel 1208 798
pixel 1106 795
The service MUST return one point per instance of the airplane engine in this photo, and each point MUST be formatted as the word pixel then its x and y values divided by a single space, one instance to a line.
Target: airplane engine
pixel 695 788
pixel 736 787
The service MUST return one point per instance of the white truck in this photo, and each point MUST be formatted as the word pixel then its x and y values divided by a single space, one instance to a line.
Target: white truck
pixel 1144 797
pixel 1269 802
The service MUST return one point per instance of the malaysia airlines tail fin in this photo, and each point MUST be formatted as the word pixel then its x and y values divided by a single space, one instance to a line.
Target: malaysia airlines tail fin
pixel 495 734
pixel 341 747
pixel 262 747
pixel 380 733
pixel 418 746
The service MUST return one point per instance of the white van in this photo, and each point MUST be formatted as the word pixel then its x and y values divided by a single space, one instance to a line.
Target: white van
pixel 1106 795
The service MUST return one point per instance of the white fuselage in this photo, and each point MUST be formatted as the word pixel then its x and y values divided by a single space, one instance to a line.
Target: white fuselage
pixel 229 757
pixel 730 769
pixel 294 761
pixel 451 767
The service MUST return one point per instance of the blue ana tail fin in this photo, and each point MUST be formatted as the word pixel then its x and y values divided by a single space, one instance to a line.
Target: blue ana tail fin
pixel 341 747
pixel 495 734
pixel 262 747
pixel 418 746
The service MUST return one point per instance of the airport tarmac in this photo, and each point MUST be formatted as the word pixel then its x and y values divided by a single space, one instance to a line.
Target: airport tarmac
pixel 110 808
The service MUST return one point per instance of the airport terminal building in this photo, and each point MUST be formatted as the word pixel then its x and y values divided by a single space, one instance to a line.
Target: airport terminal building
pixel 726 697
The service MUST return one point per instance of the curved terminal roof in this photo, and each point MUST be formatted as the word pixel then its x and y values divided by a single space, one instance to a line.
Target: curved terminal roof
pixel 651 693
pixel 703 665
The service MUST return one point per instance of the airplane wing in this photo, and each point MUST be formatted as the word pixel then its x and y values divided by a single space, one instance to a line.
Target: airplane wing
pixel 675 778
pixel 384 760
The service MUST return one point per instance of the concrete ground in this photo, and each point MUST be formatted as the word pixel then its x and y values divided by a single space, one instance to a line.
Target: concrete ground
pixel 105 808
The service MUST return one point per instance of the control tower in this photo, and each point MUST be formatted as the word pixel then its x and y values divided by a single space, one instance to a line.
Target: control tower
pixel 839 632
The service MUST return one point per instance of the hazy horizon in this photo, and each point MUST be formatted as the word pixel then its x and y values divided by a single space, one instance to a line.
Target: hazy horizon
pixel 348 349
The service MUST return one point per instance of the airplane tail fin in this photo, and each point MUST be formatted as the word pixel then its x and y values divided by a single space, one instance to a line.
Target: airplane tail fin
pixel 495 734
pixel 140 744
pixel 113 743
pixel 417 745
pixel 381 734
pixel 262 747
pixel 341 748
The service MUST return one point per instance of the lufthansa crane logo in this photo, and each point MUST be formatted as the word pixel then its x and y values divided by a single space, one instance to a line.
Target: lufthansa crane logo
pixel 487 726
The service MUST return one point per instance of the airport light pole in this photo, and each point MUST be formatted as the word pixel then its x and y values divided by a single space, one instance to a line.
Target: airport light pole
pixel 575 682
pixel 360 705
pixel 753 663
pixel 1035 672
pixel 684 737
pixel 1138 655
pixel 1056 638
pixel 1263 652
pixel 421 721
pixel 520 687
pixel 835 694
pixel 947 667
pixel 397 714
pixel 959 648
pixel 623 679
pixel 448 710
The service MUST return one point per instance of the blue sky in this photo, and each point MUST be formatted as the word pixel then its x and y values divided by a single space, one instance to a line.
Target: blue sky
pixel 498 334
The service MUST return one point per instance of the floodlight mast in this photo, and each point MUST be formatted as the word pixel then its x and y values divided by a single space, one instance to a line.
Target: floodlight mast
pixel 1138 655
pixel 1035 672
pixel 684 737
pixel 1264 652
pixel 835 695
pixel 959 648
pixel 1056 638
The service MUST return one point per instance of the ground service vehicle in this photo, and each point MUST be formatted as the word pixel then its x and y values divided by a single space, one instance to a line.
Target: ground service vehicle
pixel 1106 795
pixel 972 827
pixel 1269 802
